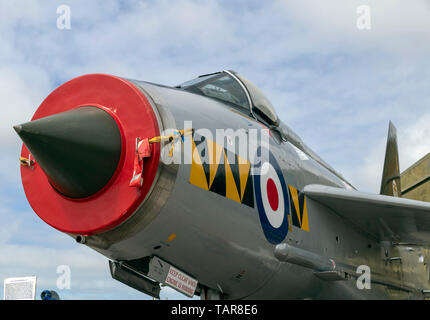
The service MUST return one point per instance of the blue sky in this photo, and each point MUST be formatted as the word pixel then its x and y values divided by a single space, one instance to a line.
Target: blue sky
pixel 335 85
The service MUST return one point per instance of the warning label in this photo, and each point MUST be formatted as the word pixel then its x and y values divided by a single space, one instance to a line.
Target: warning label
pixel 181 282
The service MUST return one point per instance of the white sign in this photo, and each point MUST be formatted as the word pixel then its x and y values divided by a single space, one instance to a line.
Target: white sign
pixel 23 288
pixel 181 282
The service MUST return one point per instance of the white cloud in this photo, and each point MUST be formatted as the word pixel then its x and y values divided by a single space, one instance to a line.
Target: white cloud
pixel 397 27
pixel 414 141
pixel 413 144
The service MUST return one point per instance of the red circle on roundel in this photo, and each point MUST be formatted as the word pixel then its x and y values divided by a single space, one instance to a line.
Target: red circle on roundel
pixel 117 201
pixel 272 194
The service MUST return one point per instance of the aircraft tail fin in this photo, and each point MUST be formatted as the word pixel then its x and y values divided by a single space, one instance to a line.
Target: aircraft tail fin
pixel 390 184
pixel 416 180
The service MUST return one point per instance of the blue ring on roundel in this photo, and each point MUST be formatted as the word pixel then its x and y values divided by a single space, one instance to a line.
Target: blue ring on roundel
pixel 273 235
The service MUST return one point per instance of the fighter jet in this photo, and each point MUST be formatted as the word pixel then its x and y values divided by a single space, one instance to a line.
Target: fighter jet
pixel 201 187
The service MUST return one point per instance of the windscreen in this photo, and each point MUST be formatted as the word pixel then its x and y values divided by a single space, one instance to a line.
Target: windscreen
pixel 220 86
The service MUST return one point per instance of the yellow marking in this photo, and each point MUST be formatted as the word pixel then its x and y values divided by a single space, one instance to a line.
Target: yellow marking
pixel 171 237
pixel 290 223
pixel 242 114
pixel 305 222
pixel 230 185
pixel 26 161
pixel 171 150
pixel 215 154
pixel 158 139
pixel 171 137
pixel 295 197
pixel 197 175
pixel 244 166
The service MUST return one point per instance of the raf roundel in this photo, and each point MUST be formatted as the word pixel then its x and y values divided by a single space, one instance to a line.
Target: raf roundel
pixel 271 197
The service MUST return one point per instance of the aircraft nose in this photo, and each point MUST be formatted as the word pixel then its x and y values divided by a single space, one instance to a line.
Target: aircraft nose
pixel 80 154
pixel 17 129
pixel 78 150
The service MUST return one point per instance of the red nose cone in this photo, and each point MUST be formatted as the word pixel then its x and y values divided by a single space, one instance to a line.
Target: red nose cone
pixel 116 201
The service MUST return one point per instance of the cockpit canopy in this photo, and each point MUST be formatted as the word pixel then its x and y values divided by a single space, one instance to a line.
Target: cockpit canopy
pixel 235 90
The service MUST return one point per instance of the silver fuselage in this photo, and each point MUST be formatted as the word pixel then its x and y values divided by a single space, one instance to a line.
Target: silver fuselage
pixel 217 238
